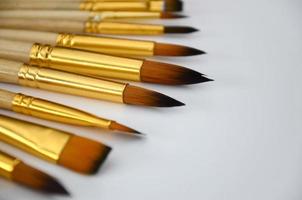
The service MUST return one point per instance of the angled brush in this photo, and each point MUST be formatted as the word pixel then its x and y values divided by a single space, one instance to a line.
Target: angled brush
pixel 68 83
pixel 144 5
pixel 85 15
pixel 113 46
pixel 99 65
pixel 41 108
pixel 16 170
pixel 89 27
pixel 65 149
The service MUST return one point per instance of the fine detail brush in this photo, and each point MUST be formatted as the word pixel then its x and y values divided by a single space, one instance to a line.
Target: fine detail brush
pixel 151 5
pixel 93 27
pixel 99 65
pixel 68 83
pixel 112 46
pixel 41 108
pixel 17 171
pixel 85 15
pixel 65 149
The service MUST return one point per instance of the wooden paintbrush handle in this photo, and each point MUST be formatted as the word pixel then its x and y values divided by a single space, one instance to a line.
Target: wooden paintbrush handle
pixel 6 99
pixel 44 25
pixel 9 71
pixel 14 50
pixel 46 5
pixel 29 36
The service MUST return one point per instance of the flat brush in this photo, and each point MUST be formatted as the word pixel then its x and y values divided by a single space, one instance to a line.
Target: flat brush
pixel 98 65
pixel 41 108
pixel 85 15
pixel 65 149
pixel 152 5
pixel 68 83
pixel 14 169
pixel 113 46
pixel 93 27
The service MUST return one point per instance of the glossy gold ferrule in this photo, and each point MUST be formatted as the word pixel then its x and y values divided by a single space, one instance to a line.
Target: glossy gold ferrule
pixel 56 112
pixel 69 83
pixel 123 28
pixel 114 46
pixel 122 6
pixel 98 16
pixel 41 141
pixel 85 63
pixel 7 165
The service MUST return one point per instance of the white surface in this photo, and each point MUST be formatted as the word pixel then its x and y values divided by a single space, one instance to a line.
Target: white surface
pixel 238 137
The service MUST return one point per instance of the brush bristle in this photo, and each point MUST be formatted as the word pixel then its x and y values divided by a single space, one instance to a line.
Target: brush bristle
pixel 119 127
pixel 173 5
pixel 163 73
pixel 179 29
pixel 139 96
pixel 83 155
pixel 169 15
pixel 162 49
pixel 35 179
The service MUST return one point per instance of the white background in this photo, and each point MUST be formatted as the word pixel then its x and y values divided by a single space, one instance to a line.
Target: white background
pixel 238 137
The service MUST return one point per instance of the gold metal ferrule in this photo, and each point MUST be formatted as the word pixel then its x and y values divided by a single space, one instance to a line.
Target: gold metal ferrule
pixel 41 141
pixel 69 83
pixel 112 15
pixel 85 63
pixel 122 5
pixel 7 165
pixel 44 109
pixel 123 28
pixel 114 46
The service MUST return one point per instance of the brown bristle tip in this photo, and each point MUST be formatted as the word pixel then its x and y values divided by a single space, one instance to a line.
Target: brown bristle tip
pixel 180 29
pixel 120 127
pixel 169 15
pixel 173 5
pixel 83 155
pixel 169 74
pixel 35 179
pixel 162 49
pixel 140 96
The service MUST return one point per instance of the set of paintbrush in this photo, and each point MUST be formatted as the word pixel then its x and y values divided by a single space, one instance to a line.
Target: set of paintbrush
pixel 40 48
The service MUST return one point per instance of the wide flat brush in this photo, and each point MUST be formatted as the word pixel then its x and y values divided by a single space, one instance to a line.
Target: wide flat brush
pixel 103 27
pixel 85 15
pixel 68 83
pixel 65 149
pixel 99 65
pixel 41 108
pixel 113 46
pixel 154 5
pixel 16 170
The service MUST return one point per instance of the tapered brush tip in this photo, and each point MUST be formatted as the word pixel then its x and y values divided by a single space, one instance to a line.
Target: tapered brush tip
pixel 84 155
pixel 120 127
pixel 169 74
pixel 170 15
pixel 140 96
pixel 162 49
pixel 173 5
pixel 180 29
pixel 35 179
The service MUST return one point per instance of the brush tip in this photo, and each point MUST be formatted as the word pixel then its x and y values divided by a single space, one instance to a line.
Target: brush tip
pixel 170 15
pixel 162 49
pixel 99 162
pixel 54 187
pixel 173 5
pixel 180 29
pixel 120 127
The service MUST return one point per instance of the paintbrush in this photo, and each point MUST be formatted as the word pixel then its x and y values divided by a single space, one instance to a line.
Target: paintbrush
pixel 41 108
pixel 16 170
pixel 68 83
pixel 150 5
pixel 99 65
pixel 65 149
pixel 106 45
pixel 92 27
pixel 85 15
